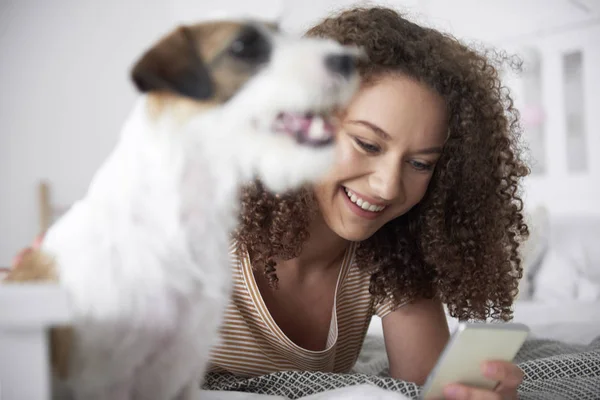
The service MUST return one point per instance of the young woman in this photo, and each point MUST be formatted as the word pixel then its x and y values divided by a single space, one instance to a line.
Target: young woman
pixel 421 209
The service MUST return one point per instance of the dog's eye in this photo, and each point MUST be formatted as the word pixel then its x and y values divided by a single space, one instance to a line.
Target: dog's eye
pixel 251 45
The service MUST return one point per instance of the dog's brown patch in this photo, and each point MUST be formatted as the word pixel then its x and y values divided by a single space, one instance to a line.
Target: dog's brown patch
pixel 191 69
pixel 213 42
pixel 36 266
pixel 213 38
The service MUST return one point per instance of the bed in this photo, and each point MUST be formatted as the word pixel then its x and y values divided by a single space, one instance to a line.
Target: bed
pixel 559 301
pixel 561 360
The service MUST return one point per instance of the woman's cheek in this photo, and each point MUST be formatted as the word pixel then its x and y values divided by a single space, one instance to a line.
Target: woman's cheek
pixel 346 155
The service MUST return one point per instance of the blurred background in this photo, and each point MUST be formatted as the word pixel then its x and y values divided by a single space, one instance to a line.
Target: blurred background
pixel 65 93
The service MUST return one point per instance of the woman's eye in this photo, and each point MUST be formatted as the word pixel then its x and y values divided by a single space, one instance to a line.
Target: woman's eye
pixel 420 166
pixel 369 148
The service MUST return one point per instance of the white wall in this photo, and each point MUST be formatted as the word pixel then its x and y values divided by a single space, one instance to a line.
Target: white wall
pixel 554 28
pixel 65 90
pixel 65 93
pixel 565 192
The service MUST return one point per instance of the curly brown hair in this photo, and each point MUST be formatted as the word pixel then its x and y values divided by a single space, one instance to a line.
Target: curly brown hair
pixel 460 243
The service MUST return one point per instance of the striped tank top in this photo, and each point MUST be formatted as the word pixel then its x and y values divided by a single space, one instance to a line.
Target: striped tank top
pixel 252 344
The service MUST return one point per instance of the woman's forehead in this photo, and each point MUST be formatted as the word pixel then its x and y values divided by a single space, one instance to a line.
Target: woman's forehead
pixel 399 104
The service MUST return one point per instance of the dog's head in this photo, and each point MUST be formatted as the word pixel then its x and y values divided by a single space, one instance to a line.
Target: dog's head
pixel 275 95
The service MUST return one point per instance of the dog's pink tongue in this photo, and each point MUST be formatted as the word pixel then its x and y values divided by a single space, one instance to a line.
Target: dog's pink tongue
pixel 296 122
pixel 312 129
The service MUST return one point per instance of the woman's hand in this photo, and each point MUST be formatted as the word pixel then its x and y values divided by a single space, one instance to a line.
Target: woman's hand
pixel 509 375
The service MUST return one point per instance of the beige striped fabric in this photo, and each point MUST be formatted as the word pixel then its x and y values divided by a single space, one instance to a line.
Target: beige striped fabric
pixel 252 344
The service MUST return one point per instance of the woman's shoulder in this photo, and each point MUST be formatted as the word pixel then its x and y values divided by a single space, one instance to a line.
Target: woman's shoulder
pixel 355 283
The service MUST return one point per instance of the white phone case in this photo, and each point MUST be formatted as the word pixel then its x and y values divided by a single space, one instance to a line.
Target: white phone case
pixel 469 347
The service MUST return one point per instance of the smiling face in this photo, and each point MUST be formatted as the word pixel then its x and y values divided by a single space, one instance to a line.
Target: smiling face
pixel 391 137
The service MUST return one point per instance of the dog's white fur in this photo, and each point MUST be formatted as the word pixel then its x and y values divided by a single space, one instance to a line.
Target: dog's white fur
pixel 144 255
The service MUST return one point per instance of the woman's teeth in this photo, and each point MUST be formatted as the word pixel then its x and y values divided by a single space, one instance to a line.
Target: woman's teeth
pixel 365 205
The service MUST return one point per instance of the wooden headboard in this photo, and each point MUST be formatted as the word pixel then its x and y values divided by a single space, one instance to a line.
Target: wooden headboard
pixel 48 212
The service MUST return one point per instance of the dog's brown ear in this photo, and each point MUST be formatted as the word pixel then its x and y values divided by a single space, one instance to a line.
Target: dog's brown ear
pixel 175 65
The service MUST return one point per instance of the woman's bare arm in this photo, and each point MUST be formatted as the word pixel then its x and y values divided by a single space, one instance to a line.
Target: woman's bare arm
pixel 415 336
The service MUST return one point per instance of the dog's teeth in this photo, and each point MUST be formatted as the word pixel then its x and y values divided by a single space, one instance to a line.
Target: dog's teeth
pixel 317 128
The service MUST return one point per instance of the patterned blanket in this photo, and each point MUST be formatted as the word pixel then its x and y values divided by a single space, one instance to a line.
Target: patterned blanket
pixel 553 370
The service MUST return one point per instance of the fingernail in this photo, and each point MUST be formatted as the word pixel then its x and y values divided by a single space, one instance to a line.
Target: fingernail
pixel 491 369
pixel 453 392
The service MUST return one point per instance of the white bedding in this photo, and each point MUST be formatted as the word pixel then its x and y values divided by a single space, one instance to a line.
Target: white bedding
pixel 358 392
pixel 572 321
pixel 569 321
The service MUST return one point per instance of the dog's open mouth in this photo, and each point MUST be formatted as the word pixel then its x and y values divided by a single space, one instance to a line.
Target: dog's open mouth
pixel 309 129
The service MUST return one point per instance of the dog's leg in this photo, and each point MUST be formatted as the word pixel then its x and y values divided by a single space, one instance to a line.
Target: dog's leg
pixel 176 369
pixel 174 373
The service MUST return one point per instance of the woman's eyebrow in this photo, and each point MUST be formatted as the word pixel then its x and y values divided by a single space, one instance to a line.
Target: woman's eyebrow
pixel 430 150
pixel 377 130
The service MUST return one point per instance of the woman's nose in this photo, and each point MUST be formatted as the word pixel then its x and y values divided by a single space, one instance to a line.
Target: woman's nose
pixel 387 184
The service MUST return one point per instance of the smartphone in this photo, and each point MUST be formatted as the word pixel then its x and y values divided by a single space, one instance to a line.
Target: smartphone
pixel 469 347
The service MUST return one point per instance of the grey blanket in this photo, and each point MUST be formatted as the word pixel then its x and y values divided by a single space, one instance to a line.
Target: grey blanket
pixel 553 370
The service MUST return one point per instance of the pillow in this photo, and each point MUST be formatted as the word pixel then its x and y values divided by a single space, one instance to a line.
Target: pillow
pixel 556 280
pixel 571 267
pixel 534 248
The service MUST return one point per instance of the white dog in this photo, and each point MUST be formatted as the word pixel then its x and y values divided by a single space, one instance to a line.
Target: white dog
pixel 144 255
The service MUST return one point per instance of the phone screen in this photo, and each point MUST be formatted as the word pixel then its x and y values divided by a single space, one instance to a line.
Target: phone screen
pixel 469 347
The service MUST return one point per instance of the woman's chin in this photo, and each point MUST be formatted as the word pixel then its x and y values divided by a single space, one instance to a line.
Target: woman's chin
pixel 356 235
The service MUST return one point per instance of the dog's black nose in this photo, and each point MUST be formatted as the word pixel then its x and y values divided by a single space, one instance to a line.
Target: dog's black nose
pixel 342 64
